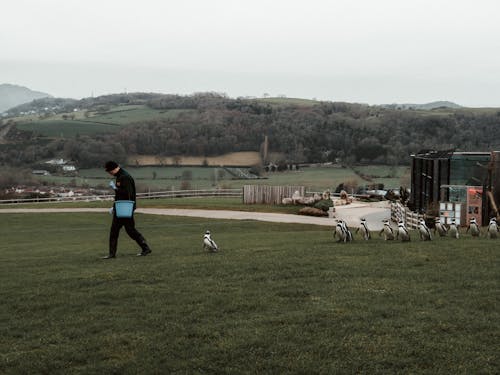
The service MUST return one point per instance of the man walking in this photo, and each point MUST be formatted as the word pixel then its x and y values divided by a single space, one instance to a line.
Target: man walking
pixel 124 187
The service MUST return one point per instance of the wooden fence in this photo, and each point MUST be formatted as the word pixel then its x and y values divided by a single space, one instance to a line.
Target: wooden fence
pixel 150 195
pixel 263 194
pixel 400 212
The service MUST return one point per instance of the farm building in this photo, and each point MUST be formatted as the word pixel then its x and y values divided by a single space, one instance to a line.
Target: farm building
pixel 459 185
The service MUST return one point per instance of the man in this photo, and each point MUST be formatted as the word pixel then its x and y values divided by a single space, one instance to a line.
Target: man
pixel 124 187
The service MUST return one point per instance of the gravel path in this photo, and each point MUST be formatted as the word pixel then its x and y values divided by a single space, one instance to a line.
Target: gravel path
pixel 373 213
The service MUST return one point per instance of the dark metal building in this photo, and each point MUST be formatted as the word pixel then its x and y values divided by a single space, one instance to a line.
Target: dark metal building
pixel 434 172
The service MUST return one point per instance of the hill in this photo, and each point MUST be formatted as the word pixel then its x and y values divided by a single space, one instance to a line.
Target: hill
pixel 426 106
pixel 117 126
pixel 13 95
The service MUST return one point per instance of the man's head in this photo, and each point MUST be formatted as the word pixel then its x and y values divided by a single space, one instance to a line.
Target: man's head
pixel 111 167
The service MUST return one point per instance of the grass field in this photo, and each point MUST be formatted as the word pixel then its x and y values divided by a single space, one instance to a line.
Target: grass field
pixel 58 127
pixel 289 101
pixel 200 203
pixel 276 299
pixel 67 128
pixel 315 179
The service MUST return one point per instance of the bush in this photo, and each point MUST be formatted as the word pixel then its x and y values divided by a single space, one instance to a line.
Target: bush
pixel 324 204
pixel 311 211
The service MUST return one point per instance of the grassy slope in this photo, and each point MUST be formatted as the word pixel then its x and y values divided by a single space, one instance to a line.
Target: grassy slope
pixel 277 299
pixel 289 101
pixel 110 121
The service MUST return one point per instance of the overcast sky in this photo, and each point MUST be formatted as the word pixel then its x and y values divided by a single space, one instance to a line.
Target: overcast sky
pixel 366 51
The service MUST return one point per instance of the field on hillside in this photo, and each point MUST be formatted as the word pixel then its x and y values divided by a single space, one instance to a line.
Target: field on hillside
pixel 108 122
pixel 276 299
pixel 165 178
pixel 288 101
pixel 67 128
pixel 241 158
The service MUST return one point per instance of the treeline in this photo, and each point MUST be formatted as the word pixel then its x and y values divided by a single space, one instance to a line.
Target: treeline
pixel 317 132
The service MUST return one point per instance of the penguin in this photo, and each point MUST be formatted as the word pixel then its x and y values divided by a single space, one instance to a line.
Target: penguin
pixel 403 232
pixel 440 228
pixel 474 228
pixel 208 243
pixel 424 231
pixel 365 232
pixel 339 231
pixel 342 231
pixel 348 233
pixel 493 228
pixel 453 229
pixel 387 231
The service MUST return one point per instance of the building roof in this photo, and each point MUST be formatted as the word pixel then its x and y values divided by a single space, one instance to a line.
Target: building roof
pixel 434 154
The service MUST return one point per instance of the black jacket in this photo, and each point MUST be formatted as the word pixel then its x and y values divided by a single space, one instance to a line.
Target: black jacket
pixel 125 186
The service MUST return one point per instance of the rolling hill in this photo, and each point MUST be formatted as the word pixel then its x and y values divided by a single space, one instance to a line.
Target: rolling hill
pixel 13 95
pixel 210 124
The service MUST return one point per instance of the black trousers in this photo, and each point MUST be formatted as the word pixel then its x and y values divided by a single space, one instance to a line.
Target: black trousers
pixel 133 233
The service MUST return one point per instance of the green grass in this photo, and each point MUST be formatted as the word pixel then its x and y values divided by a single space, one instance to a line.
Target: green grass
pixel 391 177
pixel 314 179
pixel 277 299
pixel 67 128
pixel 139 114
pixel 289 101
pixel 109 122
pixel 200 203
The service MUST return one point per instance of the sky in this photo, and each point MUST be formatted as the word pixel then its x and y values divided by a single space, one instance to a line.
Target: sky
pixel 363 51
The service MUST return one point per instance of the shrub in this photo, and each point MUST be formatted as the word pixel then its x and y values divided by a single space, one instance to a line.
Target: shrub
pixel 311 211
pixel 324 204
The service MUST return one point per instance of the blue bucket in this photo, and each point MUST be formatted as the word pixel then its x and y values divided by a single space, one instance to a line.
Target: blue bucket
pixel 124 209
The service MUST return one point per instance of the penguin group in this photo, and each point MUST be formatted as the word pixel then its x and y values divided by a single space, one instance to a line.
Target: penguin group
pixel 343 234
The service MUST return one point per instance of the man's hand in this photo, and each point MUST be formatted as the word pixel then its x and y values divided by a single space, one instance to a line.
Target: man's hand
pixel 112 185
pixel 111 211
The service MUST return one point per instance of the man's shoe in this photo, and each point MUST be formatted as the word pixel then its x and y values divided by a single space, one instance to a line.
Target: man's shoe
pixel 143 253
pixel 108 257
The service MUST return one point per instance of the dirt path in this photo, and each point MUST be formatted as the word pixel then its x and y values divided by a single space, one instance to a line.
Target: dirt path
pixel 351 213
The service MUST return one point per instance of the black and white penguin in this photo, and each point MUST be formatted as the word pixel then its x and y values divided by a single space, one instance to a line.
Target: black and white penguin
pixel 424 231
pixel 342 231
pixel 348 233
pixel 453 229
pixel 208 243
pixel 403 233
pixel 474 228
pixel 440 228
pixel 493 228
pixel 339 231
pixel 363 228
pixel 387 231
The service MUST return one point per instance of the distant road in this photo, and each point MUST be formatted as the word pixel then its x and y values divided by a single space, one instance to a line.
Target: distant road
pixel 351 213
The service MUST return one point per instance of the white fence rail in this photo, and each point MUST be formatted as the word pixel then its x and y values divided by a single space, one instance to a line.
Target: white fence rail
pixel 236 193
pixel 400 212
